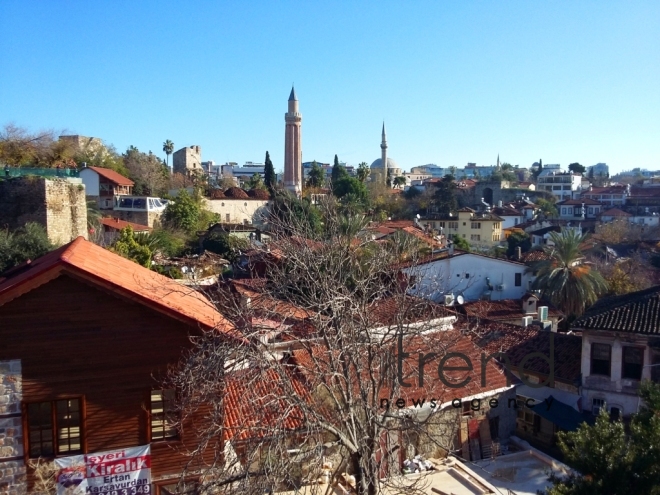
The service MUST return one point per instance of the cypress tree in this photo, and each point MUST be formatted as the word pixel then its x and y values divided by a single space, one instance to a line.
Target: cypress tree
pixel 338 171
pixel 269 173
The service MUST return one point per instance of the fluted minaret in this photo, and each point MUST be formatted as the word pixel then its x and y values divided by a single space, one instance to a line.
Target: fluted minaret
pixel 293 147
pixel 383 153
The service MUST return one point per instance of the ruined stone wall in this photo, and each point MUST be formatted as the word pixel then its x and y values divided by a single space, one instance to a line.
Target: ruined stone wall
pixel 187 160
pixel 58 204
pixel 12 467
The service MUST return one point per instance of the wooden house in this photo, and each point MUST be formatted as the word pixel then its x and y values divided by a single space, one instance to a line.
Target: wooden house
pixel 90 335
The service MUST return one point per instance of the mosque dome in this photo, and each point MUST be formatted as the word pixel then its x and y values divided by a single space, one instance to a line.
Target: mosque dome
pixel 379 164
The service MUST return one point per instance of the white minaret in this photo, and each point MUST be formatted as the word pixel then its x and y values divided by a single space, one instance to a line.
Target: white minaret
pixel 293 147
pixel 383 153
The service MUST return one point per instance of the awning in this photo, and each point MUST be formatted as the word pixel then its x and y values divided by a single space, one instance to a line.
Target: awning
pixel 563 415
pixel 541 393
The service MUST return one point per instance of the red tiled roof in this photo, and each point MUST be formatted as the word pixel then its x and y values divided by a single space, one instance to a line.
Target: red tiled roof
pixel 108 270
pixel 316 364
pixel 578 202
pixel 636 312
pixel 113 176
pixel 518 342
pixel 534 255
pixel 257 402
pixel 605 190
pixel 644 192
pixel 117 224
pixel 261 301
pixel 504 309
pixel 419 234
pixel 615 212
pixel 407 309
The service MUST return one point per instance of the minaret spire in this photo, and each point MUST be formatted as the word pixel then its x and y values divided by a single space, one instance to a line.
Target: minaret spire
pixel 383 153
pixel 293 146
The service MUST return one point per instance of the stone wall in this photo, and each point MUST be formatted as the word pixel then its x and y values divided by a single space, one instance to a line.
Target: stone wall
pixel 12 467
pixel 149 218
pixel 57 204
pixel 241 211
pixel 187 160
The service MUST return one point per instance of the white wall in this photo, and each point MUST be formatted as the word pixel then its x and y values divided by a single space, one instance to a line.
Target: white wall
pixel 466 274
pixel 511 221
pixel 611 388
pixel 239 210
pixel 91 181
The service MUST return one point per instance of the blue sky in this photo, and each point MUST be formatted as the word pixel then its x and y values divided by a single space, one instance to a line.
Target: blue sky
pixel 455 82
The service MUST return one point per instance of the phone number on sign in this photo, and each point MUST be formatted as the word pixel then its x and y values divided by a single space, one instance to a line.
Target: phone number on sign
pixel 133 490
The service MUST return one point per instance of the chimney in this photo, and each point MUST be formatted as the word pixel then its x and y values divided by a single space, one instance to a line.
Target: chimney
pixel 518 253
pixel 451 249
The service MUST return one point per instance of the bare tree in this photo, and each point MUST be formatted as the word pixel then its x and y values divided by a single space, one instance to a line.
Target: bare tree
pixel 338 369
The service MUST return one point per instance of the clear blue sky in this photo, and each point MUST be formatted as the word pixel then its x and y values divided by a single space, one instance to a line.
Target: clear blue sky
pixel 455 82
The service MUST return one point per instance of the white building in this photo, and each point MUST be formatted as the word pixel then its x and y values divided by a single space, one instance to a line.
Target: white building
pixel 473 276
pixel 619 350
pixel 562 185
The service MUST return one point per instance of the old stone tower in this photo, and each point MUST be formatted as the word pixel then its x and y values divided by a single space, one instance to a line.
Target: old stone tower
pixel 293 147
pixel 57 204
pixel 187 161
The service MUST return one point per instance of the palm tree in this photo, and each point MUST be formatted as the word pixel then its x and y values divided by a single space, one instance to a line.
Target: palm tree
pixel 565 278
pixel 399 181
pixel 168 148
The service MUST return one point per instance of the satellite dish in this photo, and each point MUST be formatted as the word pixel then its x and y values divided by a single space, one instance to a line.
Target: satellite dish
pixel 418 217
pixel 460 300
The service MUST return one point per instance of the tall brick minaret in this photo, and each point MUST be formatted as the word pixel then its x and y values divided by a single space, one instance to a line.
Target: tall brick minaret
pixel 293 147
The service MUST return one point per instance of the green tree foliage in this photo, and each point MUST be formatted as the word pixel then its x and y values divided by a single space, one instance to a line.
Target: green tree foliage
pixel 20 147
pixel 591 174
pixel 461 243
pixel 608 461
pixel 337 171
pixel 269 173
pixel 127 246
pixel 518 239
pixel 168 148
pixel 363 171
pixel 399 181
pixel 444 197
pixel 147 171
pixel 538 171
pixel 576 168
pixel 316 177
pixel 350 185
pixel 547 207
pixel 183 213
pixel 565 277
pixel 287 211
pixel 412 193
pixel 26 243
pixel 256 182
pixel 226 245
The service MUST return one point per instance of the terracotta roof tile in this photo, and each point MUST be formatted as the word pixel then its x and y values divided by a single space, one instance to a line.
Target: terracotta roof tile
pixel 117 224
pixel 315 364
pixel 110 271
pixel 615 212
pixel 534 255
pixel 113 176
pixel 256 402
pixel 636 312
pixel 504 309
pixel 518 342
